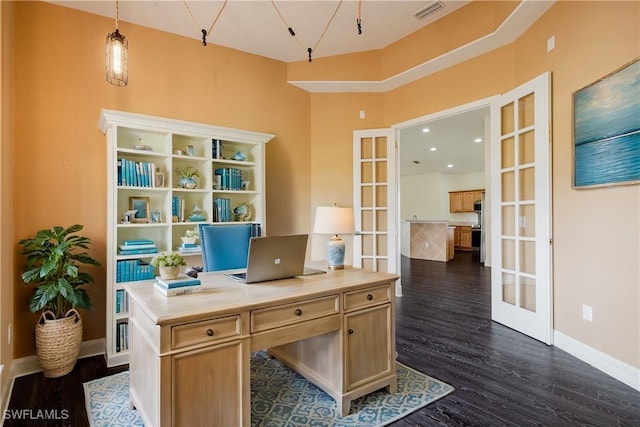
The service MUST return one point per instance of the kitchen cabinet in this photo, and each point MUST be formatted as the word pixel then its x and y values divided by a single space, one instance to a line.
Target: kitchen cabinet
pixel 462 237
pixel 463 201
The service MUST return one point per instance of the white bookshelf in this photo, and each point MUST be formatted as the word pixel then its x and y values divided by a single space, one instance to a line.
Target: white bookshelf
pixel 164 137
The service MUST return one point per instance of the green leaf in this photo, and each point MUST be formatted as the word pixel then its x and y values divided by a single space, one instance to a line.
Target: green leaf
pixel 42 296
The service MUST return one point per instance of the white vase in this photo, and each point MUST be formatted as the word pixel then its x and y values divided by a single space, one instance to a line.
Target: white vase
pixel 169 272
pixel 190 240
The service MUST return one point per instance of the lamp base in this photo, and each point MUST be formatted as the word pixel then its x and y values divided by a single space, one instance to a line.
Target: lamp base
pixel 335 253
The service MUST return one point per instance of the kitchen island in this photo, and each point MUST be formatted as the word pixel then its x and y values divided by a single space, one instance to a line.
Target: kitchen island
pixel 429 240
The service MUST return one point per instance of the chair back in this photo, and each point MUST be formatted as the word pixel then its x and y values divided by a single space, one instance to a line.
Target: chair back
pixel 224 247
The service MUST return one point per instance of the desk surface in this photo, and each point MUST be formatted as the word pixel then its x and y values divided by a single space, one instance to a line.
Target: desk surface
pixel 222 294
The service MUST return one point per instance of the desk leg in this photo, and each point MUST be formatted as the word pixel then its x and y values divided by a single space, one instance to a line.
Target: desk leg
pixel 344 407
pixel 392 388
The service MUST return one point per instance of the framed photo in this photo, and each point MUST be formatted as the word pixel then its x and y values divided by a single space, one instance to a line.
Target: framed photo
pixel 141 206
pixel 159 179
pixel 606 130
pixel 191 150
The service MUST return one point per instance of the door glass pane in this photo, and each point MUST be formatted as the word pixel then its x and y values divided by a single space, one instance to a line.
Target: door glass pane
pixel 367 244
pixel 508 153
pixel 526 109
pixel 367 220
pixel 381 219
pixel 528 293
pixel 527 184
pixel 506 113
pixel 508 221
pixel 508 254
pixel 527 221
pixel 366 148
pixel 528 257
pixel 366 196
pixel 383 265
pixel 381 242
pixel 381 171
pixel 381 148
pixel 381 196
pixel 526 150
pixel 509 288
pixel 366 173
pixel 508 187
pixel 367 264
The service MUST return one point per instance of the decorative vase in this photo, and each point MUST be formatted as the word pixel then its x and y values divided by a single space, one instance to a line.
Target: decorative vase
pixel 58 342
pixel 189 240
pixel 188 183
pixel 169 272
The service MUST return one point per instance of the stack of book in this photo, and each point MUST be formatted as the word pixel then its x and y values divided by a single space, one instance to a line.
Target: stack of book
pixel 189 249
pixel 137 247
pixel 183 285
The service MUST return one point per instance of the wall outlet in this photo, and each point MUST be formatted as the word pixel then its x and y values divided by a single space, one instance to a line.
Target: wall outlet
pixel 9 334
pixel 551 43
pixel 362 114
pixel 587 313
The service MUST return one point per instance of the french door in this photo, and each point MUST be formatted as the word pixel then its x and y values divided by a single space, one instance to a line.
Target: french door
pixel 521 286
pixel 374 200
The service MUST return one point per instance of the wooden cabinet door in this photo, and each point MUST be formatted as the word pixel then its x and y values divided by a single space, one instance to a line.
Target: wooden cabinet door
pixel 465 237
pixel 467 201
pixel 456 237
pixel 199 375
pixel 477 195
pixel 455 202
pixel 367 332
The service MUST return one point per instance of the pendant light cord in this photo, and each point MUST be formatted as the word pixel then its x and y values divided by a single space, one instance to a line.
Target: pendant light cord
pixel 117 13
pixel 203 31
pixel 293 34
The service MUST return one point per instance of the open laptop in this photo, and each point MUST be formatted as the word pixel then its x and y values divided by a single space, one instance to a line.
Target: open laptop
pixel 275 257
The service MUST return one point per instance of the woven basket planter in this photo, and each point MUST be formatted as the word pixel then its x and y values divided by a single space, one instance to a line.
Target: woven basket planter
pixel 58 342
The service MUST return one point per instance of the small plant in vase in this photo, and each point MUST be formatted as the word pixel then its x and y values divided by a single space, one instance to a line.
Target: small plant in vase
pixel 190 237
pixel 188 175
pixel 168 264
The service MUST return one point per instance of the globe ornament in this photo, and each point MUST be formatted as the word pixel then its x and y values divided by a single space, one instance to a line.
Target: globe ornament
pixel 242 212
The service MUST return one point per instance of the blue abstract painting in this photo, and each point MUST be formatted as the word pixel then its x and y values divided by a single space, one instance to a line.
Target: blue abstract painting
pixel 607 129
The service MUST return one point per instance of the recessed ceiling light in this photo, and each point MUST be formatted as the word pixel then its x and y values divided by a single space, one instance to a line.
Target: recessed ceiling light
pixel 477 140
pixel 449 165
pixel 425 130
pixel 433 149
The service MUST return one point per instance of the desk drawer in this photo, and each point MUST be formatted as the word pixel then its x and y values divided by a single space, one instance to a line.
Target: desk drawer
pixel 206 331
pixel 288 314
pixel 366 297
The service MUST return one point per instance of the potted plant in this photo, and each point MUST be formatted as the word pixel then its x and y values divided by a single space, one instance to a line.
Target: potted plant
pixel 187 175
pixel 168 264
pixel 53 260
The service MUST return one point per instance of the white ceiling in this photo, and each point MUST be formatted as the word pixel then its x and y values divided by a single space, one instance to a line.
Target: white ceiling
pixel 254 26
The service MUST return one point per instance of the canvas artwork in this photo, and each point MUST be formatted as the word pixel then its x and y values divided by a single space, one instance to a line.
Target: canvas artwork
pixel 607 130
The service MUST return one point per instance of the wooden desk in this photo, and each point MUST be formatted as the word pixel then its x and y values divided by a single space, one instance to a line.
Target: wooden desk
pixel 190 354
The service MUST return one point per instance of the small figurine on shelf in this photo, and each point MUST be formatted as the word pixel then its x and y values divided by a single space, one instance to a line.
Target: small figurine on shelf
pixel 188 175
pixel 242 212
pixel 197 214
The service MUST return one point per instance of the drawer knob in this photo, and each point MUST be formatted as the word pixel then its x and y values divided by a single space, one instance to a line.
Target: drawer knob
pixel 298 312
pixel 210 332
pixel 369 297
pixel 350 331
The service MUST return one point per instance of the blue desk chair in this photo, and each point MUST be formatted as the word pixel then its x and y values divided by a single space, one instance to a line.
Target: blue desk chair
pixel 224 247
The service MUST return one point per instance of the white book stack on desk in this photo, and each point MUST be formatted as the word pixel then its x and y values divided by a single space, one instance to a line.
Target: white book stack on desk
pixel 183 285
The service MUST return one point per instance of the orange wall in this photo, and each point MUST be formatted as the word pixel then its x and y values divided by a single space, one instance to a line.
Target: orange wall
pixel 60 154
pixel 596 232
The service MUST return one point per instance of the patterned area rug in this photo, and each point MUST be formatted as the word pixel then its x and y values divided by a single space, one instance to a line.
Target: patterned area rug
pixel 280 397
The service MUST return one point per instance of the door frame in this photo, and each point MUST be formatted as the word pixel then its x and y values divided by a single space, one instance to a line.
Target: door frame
pixel 398 127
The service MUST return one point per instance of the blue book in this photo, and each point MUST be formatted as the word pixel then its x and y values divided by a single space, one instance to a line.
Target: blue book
pixel 180 282
pixel 134 242
pixel 138 251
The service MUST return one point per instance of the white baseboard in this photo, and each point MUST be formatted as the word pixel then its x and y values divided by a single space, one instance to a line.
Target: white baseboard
pixel 30 365
pixel 607 364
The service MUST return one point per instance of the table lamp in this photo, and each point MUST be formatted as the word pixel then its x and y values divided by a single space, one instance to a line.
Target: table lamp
pixel 334 220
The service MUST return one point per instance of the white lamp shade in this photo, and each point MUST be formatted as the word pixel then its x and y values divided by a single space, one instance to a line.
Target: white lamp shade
pixel 333 220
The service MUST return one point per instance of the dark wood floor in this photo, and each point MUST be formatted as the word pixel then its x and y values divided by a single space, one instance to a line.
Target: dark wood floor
pixel 502 378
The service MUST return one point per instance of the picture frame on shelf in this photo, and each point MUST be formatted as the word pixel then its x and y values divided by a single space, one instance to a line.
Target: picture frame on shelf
pixel 191 150
pixel 159 179
pixel 141 206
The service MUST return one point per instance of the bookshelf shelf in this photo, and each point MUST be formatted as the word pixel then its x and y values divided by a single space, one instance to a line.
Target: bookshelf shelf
pixel 170 144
